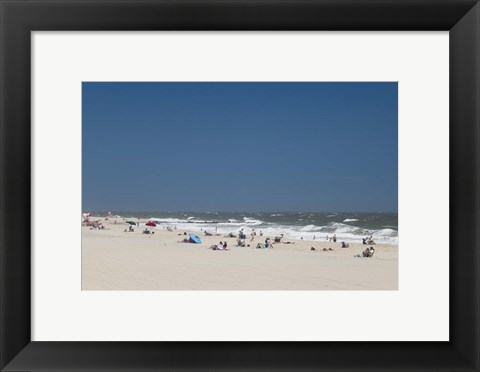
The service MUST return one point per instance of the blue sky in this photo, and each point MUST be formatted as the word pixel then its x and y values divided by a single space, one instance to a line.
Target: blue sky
pixel 240 146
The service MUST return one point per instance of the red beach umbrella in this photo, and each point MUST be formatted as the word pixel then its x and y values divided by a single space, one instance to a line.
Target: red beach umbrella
pixel 150 223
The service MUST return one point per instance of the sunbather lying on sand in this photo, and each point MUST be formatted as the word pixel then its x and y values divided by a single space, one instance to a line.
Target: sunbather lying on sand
pixel 219 248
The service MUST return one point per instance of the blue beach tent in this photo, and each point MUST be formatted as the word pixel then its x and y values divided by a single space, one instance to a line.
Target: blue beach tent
pixel 194 239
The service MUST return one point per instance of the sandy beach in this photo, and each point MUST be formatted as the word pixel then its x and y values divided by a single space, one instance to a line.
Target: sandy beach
pixel 113 259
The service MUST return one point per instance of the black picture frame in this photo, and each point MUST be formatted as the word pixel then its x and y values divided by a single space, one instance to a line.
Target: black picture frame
pixel 18 18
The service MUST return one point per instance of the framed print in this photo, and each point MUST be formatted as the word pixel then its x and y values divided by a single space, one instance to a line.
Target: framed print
pixel 239 185
pixel 341 129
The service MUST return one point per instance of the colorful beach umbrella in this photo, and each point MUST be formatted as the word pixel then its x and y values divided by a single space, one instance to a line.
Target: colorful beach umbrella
pixel 150 223
pixel 194 239
pixel 131 223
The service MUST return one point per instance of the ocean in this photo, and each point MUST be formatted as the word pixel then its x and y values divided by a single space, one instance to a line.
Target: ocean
pixel 349 227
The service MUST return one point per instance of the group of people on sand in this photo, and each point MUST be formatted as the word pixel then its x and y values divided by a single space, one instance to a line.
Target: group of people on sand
pixel 266 244
pixel 96 225
pixel 243 236
pixel 130 229
pixel 366 253
pixel 324 249
pixel 368 240
pixel 332 238
pixel 222 246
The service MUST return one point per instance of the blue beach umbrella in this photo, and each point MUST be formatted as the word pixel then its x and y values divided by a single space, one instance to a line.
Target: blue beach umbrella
pixel 194 239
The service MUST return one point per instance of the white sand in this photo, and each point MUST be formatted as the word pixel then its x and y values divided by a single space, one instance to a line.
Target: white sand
pixel 116 260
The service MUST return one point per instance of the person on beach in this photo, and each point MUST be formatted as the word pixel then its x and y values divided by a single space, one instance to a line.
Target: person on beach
pixel 252 235
pixel 366 253
pixel 261 233
pixel 334 238
pixel 242 235
pixel 345 245
pixel 220 248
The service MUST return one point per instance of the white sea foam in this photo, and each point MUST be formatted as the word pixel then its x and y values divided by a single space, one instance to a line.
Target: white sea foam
pixel 350 220
pixel 251 221
pixel 343 231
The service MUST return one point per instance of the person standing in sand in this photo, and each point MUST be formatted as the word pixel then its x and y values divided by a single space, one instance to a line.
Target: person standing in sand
pixel 252 235
pixel 242 234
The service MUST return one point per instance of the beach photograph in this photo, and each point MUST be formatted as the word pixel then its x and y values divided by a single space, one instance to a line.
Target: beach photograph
pixel 239 186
